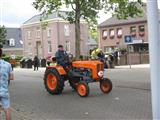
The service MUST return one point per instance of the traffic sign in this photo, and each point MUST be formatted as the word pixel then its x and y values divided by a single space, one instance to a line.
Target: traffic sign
pixel 128 39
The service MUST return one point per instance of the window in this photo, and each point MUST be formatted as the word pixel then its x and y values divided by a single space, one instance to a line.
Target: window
pixel 38 33
pixel 141 28
pixel 49 47
pixel 108 49
pixel 29 47
pixel 104 34
pixel 21 42
pixel 66 30
pixel 11 42
pixel 67 46
pixel 119 32
pixel 111 33
pixel 133 31
pixel 49 31
pixel 29 34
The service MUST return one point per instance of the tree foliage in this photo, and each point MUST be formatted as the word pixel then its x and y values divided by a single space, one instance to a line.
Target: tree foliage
pixel 124 8
pixel 88 10
pixel 3 35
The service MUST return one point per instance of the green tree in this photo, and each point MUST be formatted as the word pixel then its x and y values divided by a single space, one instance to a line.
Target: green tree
pixel 93 33
pixel 3 35
pixel 88 9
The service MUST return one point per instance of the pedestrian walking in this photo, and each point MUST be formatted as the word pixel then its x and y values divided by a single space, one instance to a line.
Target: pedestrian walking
pixel 6 74
pixel 36 62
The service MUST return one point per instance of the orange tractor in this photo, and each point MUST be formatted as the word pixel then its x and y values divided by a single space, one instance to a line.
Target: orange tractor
pixel 79 74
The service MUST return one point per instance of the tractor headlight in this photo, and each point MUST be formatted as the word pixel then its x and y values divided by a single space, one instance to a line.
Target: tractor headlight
pixel 100 73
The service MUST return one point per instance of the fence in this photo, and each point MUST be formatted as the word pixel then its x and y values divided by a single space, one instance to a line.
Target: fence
pixel 134 58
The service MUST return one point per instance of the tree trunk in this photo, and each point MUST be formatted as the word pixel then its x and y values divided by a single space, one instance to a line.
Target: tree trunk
pixel 77 33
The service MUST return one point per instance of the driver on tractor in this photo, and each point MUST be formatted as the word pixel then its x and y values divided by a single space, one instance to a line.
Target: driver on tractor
pixel 62 57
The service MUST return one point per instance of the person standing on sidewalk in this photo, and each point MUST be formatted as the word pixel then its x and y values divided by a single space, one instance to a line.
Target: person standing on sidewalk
pixel 36 62
pixel 6 74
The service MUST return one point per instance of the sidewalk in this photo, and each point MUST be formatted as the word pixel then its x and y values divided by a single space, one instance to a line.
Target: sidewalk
pixel 133 66
pixel 14 115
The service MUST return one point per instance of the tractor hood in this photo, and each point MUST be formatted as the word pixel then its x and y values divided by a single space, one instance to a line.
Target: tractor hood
pixel 86 64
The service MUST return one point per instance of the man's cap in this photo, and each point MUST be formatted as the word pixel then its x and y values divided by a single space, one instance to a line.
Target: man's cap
pixel 60 46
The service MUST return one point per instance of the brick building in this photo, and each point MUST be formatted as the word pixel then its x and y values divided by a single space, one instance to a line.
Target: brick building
pixel 113 30
pixel 44 42
pixel 112 33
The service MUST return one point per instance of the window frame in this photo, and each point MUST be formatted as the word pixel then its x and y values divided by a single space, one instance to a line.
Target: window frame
pixel 104 34
pixel 119 35
pixel 38 33
pixel 12 40
pixel 66 30
pixel 110 31
pixel 133 32
pixel 29 34
pixel 68 45
pixel 49 43
pixel 49 32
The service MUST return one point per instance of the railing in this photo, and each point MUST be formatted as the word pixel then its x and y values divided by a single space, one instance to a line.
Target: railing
pixel 134 58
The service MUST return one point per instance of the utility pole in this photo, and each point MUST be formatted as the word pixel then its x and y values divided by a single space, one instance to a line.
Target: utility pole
pixel 154 49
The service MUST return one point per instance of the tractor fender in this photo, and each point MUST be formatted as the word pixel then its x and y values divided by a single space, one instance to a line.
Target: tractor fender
pixel 59 69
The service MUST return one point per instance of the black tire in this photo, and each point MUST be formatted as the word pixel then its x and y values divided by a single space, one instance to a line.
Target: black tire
pixel 73 83
pixel 86 93
pixel 59 85
pixel 106 85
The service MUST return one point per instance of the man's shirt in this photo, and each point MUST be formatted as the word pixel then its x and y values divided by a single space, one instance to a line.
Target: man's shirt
pixel 61 56
pixel 5 71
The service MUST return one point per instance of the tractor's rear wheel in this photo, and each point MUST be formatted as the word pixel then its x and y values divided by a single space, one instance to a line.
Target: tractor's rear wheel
pixel 106 85
pixel 53 82
pixel 82 89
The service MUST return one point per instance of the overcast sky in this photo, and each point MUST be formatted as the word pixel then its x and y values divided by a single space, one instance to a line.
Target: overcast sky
pixel 14 12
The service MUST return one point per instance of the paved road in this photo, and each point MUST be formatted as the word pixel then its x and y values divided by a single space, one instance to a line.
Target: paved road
pixel 129 99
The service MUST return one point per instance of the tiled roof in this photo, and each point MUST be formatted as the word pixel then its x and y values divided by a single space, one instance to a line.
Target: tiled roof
pixel 36 18
pixel 14 33
pixel 113 21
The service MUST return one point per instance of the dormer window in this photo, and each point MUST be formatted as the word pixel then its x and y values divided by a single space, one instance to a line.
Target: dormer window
pixel 104 34
pixel 11 42
pixel 111 33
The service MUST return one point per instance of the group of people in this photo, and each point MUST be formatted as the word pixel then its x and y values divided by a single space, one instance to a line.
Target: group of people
pixel 109 59
pixel 97 53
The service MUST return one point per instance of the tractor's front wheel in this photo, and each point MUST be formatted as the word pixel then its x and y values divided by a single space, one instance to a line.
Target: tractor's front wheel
pixel 53 82
pixel 106 85
pixel 83 89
